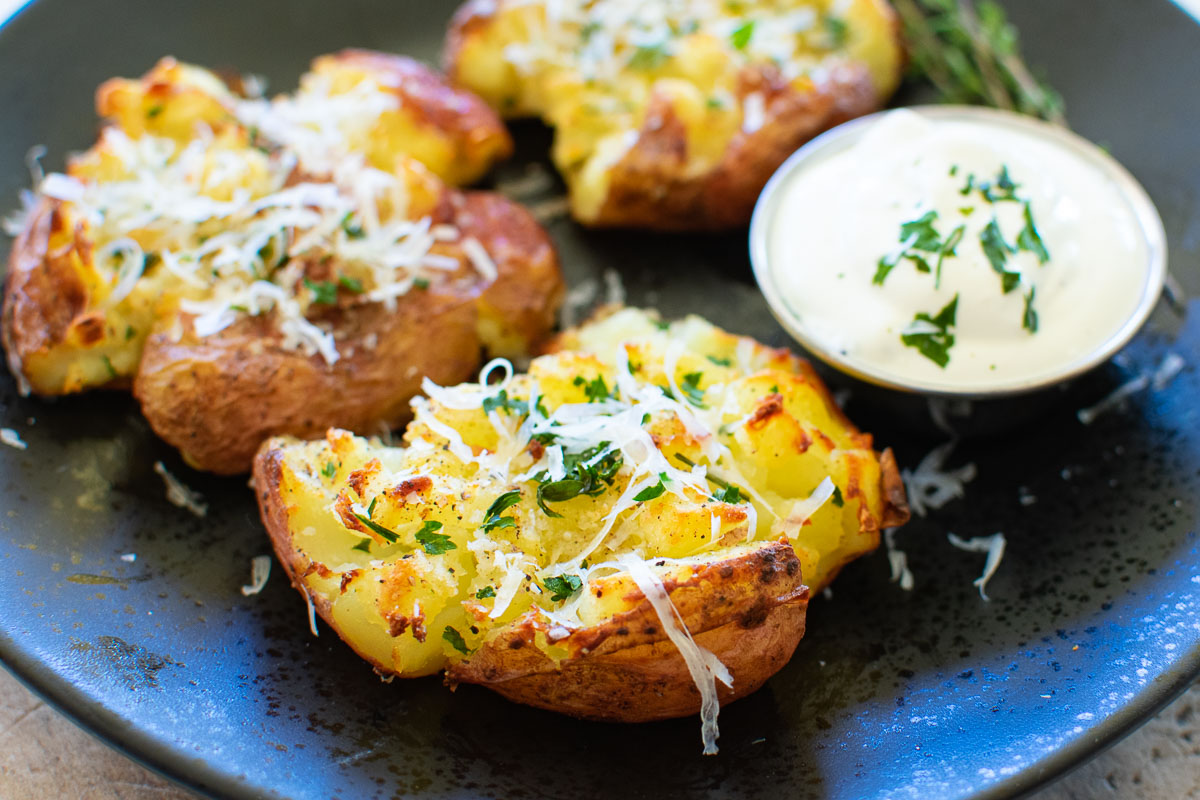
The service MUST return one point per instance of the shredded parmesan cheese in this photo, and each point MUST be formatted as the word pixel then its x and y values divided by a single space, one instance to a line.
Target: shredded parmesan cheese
pixel 180 495
pixel 898 561
pixel 704 667
pixel 260 571
pixel 1171 365
pixel 1113 400
pixel 931 486
pixel 13 439
pixel 992 545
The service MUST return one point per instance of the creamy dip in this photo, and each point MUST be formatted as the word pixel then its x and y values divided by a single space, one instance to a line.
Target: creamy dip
pixel 1023 249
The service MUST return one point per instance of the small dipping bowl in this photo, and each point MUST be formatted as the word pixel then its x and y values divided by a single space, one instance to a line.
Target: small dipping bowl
pixel 980 405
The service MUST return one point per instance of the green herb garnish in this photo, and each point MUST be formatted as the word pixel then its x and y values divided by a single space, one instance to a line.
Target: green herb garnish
pixel 649 56
pixel 486 592
pixel 353 229
pixel 502 402
pixel 455 639
pixel 1029 238
pixel 838 32
pixel 721 362
pixel 330 469
pixel 585 473
pixel 741 34
pixel 997 251
pixel 324 292
pixel 364 546
pixel 1029 319
pixel 596 389
pixel 350 284
pixel 690 386
pixel 434 543
pixel 420 283
pixel 935 345
pixel 651 492
pixel 492 518
pixel 562 586
pixel 108 365
pixel 729 494
pixel 837 498
pixel 387 534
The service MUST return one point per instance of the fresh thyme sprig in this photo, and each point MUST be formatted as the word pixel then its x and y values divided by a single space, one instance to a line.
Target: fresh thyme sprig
pixel 970 54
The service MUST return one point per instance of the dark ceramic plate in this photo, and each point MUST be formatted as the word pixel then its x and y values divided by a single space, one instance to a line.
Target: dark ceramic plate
pixel 931 694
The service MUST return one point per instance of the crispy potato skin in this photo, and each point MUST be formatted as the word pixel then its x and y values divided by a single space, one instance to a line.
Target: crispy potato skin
pixel 216 398
pixel 651 182
pixel 659 182
pixel 748 611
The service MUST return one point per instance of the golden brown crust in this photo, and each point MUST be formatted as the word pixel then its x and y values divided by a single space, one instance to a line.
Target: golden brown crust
pixel 44 295
pixel 650 185
pixel 748 611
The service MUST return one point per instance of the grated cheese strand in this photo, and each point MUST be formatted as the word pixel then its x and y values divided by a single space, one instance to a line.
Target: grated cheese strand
pixel 180 495
pixel 260 571
pixel 992 545
pixel 704 667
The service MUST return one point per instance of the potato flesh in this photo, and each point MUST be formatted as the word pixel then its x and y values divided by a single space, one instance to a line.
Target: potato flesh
pixel 405 489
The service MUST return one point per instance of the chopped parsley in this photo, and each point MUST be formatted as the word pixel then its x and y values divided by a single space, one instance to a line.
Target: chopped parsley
pixel 1029 319
pixel 387 534
pixel 324 292
pixel 486 592
pixel 108 365
pixel 997 251
pixel 352 228
pixel 586 473
pixel 916 237
pixel 154 111
pixel 562 586
pixel 501 402
pixel 837 498
pixel 649 56
pixel 934 345
pixel 721 362
pixel 741 34
pixel 434 543
pixel 493 519
pixel 596 389
pixel 364 545
pixel 455 639
pixel 651 492
pixel 838 31
pixel 330 469
pixel 420 283
pixel 729 494
pixel 1029 238
pixel 691 389
pixel 130 332
pixel 350 284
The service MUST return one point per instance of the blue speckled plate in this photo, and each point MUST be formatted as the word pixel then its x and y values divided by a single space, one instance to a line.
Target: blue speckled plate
pixel 1095 614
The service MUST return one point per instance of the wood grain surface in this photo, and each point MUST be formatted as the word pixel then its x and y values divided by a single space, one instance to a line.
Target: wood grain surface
pixel 43 755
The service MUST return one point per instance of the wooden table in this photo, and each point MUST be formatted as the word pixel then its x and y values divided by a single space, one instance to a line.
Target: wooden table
pixel 43 755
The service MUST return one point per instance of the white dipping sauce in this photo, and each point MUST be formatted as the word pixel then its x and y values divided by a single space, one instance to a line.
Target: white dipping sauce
pixel 837 214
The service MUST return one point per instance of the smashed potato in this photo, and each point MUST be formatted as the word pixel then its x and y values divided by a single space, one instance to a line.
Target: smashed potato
pixel 253 267
pixel 673 115
pixel 609 535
